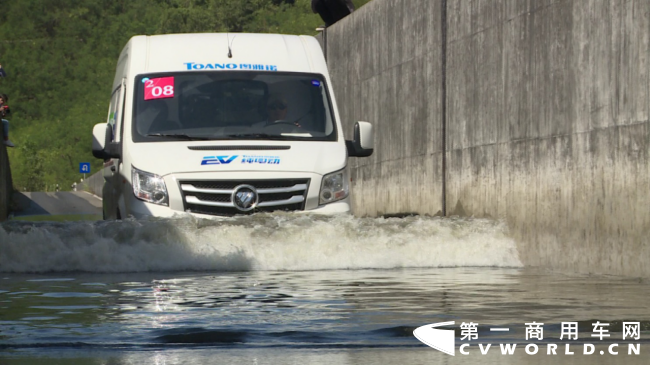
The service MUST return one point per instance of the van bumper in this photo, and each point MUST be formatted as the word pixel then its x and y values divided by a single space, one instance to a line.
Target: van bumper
pixel 140 209
pixel 340 207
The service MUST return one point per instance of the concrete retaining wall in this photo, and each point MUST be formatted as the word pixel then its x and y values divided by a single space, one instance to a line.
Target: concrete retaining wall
pixel 541 108
pixel 93 184
pixel 6 185
pixel 385 63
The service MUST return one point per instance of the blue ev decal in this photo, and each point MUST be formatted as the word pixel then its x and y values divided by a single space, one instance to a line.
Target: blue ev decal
pixel 212 160
pixel 255 159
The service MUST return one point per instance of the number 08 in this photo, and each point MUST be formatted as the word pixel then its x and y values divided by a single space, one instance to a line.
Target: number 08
pixel 157 91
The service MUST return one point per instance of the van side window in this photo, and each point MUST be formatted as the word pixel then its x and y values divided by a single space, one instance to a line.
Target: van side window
pixel 113 112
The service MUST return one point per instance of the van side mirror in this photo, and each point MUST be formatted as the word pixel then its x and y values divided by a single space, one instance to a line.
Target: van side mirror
pixel 363 144
pixel 102 147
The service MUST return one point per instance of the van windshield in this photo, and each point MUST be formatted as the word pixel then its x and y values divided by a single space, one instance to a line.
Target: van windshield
pixel 224 105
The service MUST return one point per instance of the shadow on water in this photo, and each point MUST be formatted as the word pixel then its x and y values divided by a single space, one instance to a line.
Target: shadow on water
pixel 110 246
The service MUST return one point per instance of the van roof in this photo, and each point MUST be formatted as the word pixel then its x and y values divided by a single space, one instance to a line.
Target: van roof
pixel 206 51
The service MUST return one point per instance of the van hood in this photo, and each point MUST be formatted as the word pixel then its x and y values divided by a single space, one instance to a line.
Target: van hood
pixel 174 157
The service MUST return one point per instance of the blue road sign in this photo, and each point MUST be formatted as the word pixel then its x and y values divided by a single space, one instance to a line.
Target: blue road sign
pixel 84 168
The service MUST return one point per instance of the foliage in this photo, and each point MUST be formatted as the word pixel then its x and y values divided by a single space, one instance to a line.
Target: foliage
pixel 60 56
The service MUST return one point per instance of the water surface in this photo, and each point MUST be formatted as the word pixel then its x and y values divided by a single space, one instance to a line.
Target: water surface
pixel 286 289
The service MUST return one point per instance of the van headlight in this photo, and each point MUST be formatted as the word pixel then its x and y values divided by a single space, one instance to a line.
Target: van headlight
pixel 149 187
pixel 334 187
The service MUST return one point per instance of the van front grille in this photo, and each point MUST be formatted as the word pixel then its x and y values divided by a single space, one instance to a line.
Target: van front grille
pixel 215 197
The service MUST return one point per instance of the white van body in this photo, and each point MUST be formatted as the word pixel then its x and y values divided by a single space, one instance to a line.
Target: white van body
pixel 193 127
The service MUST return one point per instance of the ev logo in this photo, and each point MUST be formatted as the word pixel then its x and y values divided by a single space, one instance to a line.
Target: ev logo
pixel 441 339
pixel 212 160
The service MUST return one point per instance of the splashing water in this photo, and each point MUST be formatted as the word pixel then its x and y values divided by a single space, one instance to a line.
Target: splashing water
pixel 259 242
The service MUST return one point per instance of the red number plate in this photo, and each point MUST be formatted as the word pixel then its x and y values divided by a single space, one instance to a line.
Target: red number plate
pixel 159 88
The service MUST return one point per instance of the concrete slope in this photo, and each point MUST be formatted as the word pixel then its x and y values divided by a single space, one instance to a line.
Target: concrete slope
pixel 57 204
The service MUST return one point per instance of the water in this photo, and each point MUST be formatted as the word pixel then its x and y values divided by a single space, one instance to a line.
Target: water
pixel 262 242
pixel 288 289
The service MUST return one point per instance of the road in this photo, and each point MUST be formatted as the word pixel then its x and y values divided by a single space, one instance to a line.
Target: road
pixel 57 206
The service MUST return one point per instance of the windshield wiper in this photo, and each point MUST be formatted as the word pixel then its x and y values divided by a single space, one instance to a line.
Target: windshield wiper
pixel 256 136
pixel 179 136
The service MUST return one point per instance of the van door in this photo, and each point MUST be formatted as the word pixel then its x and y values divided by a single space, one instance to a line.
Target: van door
pixel 112 186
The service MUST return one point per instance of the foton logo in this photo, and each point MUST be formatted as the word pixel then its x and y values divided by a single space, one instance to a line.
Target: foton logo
pixel 212 160
pixel 440 339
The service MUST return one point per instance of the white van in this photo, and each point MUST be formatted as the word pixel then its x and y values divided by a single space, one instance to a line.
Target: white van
pixel 224 124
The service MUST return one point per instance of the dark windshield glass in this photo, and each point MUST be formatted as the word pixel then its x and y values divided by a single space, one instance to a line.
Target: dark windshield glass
pixel 231 105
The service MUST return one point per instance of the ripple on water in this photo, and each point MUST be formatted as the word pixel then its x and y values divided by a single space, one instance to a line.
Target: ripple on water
pixel 65 307
pixel 51 280
pixel 40 318
pixel 71 294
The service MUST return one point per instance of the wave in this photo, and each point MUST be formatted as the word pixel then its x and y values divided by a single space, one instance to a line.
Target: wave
pixel 275 241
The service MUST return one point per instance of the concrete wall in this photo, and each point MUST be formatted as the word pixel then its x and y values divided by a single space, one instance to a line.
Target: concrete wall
pixel 93 184
pixel 385 63
pixel 546 107
pixel 6 185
